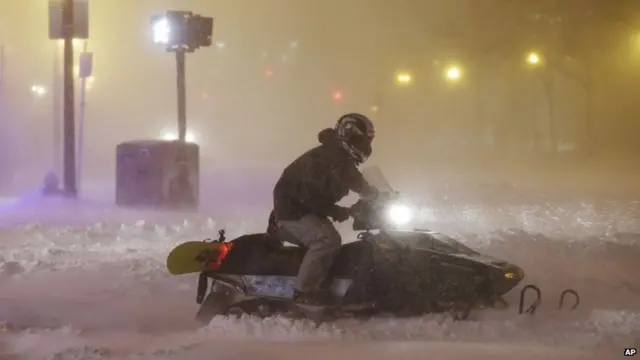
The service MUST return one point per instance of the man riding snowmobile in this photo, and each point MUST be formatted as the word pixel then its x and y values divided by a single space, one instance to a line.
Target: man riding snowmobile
pixel 306 194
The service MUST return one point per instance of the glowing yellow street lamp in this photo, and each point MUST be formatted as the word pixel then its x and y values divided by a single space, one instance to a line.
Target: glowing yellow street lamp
pixel 404 78
pixel 453 73
pixel 533 58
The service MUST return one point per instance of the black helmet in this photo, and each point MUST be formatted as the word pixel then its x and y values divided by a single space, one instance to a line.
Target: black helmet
pixel 356 132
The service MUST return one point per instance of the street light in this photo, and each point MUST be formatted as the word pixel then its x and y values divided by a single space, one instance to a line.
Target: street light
pixel 453 73
pixel 533 58
pixel 403 78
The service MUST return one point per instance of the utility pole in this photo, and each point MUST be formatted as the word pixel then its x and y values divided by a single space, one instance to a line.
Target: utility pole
pixel 57 111
pixel 86 68
pixel 69 128
pixel 68 20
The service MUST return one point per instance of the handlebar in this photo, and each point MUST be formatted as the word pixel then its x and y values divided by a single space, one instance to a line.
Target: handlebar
pixel 367 212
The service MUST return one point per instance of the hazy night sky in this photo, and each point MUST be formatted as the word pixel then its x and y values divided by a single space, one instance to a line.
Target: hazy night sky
pixel 262 97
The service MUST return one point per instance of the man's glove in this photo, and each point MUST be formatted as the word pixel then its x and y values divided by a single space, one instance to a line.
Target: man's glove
pixel 369 192
pixel 339 213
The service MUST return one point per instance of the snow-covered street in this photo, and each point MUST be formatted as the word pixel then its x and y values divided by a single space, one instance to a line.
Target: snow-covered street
pixel 94 286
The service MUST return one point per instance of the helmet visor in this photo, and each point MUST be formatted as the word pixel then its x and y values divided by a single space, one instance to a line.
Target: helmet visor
pixel 362 143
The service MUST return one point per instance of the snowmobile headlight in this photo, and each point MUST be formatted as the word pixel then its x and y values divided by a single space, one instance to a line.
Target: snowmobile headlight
pixel 400 214
pixel 509 275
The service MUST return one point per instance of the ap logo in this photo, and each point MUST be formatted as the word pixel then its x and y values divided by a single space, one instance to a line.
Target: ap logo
pixel 630 352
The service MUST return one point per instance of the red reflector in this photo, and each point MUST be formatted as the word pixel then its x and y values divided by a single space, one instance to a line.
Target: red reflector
pixel 223 251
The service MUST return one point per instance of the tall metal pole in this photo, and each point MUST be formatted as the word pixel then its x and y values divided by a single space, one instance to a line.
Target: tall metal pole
pixel 69 107
pixel 83 94
pixel 57 111
pixel 182 99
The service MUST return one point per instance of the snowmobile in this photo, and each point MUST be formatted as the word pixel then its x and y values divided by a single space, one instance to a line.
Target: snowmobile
pixel 390 269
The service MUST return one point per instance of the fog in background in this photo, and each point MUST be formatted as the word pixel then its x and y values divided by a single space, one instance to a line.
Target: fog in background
pixel 258 97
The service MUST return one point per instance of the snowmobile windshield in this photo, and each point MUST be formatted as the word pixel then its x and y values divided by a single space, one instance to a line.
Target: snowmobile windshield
pixel 391 209
pixel 374 176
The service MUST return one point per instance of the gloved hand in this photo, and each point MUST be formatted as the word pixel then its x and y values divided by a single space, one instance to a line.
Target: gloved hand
pixel 369 192
pixel 339 213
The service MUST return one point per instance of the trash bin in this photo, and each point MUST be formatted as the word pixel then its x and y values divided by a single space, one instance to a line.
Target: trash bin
pixel 157 174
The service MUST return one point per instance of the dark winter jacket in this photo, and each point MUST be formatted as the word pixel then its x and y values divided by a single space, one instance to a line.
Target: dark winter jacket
pixel 317 180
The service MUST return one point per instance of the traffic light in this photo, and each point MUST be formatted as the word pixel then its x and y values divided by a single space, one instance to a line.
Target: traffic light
pixel 200 30
pixel 182 30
